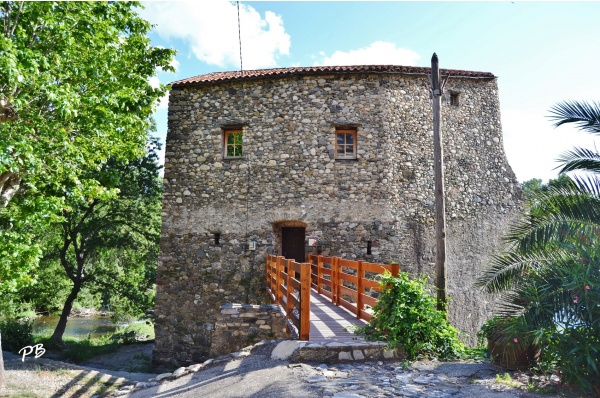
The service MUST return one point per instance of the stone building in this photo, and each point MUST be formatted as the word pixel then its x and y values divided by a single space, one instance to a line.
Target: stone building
pixel 265 161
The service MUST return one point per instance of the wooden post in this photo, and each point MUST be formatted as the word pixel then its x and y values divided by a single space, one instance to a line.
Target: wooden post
pixel 278 281
pixel 267 273
pixel 319 273
pixel 304 301
pixel 359 288
pixel 289 289
pixel 395 269
pixel 336 280
pixel 440 208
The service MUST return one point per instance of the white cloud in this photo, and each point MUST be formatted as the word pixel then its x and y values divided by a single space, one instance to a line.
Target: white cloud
pixel 175 64
pixel 377 53
pixel 211 30
pixel 164 101
pixel 154 82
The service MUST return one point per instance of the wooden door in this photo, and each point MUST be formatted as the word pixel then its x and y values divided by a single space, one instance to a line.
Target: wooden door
pixel 292 243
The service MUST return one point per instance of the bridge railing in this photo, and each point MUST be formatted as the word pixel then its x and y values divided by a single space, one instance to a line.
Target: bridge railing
pixel 288 285
pixel 349 284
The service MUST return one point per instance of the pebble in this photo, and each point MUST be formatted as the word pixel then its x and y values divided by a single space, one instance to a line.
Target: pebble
pixel 374 379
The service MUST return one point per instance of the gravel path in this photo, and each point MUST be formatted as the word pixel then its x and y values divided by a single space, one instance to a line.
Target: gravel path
pixel 257 375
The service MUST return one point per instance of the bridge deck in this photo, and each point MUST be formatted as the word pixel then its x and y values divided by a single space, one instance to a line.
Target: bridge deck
pixel 330 323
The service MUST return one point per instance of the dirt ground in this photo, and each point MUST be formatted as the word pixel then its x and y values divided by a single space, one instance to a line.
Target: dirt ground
pixel 46 377
pixel 254 376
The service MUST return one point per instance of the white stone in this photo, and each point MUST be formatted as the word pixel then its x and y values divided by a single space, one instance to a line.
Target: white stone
pixel 163 376
pixel 358 355
pixel 284 350
pixel 180 372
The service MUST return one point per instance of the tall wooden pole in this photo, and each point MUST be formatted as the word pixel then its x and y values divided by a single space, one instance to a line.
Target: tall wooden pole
pixel 440 207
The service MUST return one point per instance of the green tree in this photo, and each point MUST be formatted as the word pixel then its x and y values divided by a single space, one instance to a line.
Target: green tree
pixel 550 272
pixel 532 188
pixel 110 245
pixel 74 92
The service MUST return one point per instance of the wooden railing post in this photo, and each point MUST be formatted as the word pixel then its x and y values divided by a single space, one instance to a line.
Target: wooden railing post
pixel 319 273
pixel 278 281
pixel 268 273
pixel 305 301
pixel 289 290
pixel 359 288
pixel 336 280
pixel 395 269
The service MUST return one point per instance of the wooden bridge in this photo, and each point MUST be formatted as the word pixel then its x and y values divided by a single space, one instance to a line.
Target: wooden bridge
pixel 326 297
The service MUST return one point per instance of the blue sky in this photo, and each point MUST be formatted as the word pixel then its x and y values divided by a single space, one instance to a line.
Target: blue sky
pixel 542 52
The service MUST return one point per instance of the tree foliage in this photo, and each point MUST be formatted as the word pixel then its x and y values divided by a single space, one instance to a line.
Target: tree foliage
pixel 74 93
pixel 111 245
pixel 549 274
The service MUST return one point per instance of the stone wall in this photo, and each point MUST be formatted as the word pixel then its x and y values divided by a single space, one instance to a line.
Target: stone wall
pixel 289 174
pixel 241 325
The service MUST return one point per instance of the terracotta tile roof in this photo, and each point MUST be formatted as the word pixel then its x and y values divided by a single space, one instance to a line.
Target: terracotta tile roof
pixel 218 77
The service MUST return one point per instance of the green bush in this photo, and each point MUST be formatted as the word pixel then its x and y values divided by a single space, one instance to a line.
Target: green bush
pixel 11 307
pixel 578 352
pixel 406 316
pixel 131 334
pixel 16 334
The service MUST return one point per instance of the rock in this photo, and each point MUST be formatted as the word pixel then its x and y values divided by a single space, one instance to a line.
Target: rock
pixel 180 372
pixel 195 368
pixel 315 379
pixel 284 350
pixel 163 376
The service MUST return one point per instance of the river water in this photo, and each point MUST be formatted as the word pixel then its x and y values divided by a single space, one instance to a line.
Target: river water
pixel 77 327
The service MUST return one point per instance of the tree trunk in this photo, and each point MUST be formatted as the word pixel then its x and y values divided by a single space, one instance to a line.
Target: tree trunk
pixel 9 185
pixel 62 322
pixel 2 378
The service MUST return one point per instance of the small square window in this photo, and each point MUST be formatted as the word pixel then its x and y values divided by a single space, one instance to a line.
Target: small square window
pixel 233 144
pixel 454 99
pixel 345 144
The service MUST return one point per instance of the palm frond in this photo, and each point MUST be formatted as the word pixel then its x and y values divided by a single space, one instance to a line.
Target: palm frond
pixel 557 215
pixel 552 297
pixel 588 184
pixel 581 159
pixel 508 269
pixel 585 115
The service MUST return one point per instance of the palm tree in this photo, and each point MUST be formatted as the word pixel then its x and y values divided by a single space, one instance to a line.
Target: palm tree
pixel 549 274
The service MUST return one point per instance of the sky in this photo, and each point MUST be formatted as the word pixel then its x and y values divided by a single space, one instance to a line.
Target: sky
pixel 543 53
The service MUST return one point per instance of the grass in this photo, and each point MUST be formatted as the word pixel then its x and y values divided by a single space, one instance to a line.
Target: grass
pixel 143 364
pixel 476 354
pixel 80 350
pixel 507 380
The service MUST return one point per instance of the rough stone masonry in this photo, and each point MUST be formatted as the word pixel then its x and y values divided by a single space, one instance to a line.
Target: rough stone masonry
pixel 342 154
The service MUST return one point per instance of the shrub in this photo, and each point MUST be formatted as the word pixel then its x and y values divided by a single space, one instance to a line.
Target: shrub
pixel 16 334
pixel 137 331
pixel 578 352
pixel 406 316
